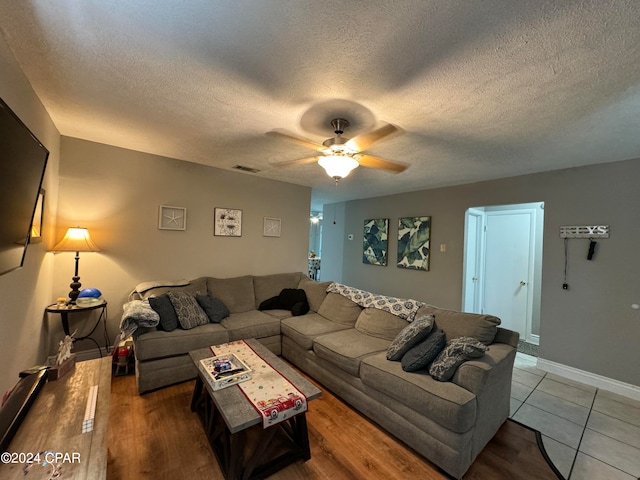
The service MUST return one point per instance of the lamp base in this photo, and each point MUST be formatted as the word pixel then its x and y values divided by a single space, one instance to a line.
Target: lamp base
pixel 75 290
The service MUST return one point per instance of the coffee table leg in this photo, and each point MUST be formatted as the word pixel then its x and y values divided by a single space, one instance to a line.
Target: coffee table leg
pixel 235 460
pixel 197 392
pixel 302 434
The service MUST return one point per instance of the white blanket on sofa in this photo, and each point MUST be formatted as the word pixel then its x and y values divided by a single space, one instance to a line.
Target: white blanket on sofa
pixel 404 308
pixel 137 313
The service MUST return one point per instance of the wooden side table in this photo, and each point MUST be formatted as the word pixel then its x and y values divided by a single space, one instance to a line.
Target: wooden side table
pixel 67 310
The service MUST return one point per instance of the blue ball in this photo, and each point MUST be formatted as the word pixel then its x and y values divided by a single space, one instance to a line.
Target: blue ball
pixel 90 293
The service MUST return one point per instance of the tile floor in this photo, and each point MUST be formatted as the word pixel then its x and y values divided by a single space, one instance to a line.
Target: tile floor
pixel 589 434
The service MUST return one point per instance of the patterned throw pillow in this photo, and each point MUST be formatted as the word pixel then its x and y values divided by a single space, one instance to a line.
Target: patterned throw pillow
pixel 420 356
pixel 410 336
pixel 454 354
pixel 213 307
pixel 164 308
pixel 190 315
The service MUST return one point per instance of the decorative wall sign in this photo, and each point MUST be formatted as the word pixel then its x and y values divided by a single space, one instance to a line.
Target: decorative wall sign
pixel 413 242
pixel 586 231
pixel 271 227
pixel 36 225
pixel 172 218
pixel 227 222
pixel 375 242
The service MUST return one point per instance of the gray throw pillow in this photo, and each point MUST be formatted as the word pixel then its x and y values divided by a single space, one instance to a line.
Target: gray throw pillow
pixel 420 356
pixel 190 315
pixel 410 336
pixel 164 308
pixel 213 307
pixel 454 354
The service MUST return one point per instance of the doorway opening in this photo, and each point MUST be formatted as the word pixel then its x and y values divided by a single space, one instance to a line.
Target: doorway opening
pixel 315 244
pixel 502 272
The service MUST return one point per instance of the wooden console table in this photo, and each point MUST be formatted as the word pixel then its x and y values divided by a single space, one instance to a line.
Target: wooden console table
pixel 54 424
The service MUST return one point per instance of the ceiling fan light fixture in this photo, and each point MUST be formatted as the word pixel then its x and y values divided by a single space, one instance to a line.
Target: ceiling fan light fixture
pixel 338 166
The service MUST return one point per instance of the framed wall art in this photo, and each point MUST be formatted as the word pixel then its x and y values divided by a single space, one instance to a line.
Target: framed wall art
pixel 271 227
pixel 375 241
pixel 413 242
pixel 172 218
pixel 36 224
pixel 227 222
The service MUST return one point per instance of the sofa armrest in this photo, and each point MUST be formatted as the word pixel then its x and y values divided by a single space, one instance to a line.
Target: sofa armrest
pixel 474 375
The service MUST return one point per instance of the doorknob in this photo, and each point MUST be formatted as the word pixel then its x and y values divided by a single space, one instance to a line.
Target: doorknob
pixel 522 283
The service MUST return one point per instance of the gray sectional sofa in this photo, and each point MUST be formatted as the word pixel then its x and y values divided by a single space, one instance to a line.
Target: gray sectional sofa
pixel 343 346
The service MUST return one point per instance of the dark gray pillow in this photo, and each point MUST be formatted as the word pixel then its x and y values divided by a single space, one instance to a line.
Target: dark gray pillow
pixel 453 355
pixel 190 315
pixel 420 356
pixel 213 307
pixel 163 307
pixel 410 336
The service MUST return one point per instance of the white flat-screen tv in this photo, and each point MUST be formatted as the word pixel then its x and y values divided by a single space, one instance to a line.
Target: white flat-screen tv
pixel 23 160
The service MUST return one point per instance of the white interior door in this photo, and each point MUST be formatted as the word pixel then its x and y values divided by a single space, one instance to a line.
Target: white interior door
pixel 508 268
pixel 473 254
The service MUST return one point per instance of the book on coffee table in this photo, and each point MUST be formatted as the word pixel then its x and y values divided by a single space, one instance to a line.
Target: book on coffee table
pixel 225 370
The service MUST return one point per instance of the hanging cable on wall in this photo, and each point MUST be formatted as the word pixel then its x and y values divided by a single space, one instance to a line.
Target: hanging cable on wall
pixel 565 285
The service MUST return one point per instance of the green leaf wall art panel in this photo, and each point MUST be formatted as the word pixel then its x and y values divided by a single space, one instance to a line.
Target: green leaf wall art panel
pixel 413 242
pixel 375 241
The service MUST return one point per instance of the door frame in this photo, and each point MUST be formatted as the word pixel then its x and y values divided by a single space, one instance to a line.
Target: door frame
pixel 534 281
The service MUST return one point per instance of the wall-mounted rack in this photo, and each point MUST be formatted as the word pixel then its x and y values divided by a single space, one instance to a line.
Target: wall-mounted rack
pixel 585 231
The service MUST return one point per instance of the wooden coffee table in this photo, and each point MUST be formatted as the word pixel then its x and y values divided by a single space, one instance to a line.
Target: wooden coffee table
pixel 245 449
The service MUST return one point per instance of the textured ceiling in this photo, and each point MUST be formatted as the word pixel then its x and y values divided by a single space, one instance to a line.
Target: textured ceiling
pixel 482 89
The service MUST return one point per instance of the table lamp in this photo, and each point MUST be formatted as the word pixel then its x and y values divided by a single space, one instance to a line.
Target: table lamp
pixel 77 240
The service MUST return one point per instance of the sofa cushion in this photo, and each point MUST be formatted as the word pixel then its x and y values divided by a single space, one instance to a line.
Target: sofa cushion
pixel 197 286
pixel 279 313
pixel 316 292
pixel 424 353
pixel 410 336
pixel 159 344
pixel 267 286
pixel 378 323
pixel 453 355
pixel 458 324
pixel 213 307
pixel 302 330
pixel 164 308
pixel 189 312
pixel 447 404
pixel 339 309
pixel 251 324
pixel 346 349
pixel 236 293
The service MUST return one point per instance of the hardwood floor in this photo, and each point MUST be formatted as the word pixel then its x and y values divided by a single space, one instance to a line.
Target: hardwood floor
pixel 156 436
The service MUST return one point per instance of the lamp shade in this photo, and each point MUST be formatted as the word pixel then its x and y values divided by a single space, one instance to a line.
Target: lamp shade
pixel 338 166
pixel 76 240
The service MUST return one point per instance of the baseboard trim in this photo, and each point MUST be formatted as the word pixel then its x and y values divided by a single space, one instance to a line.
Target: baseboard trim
pixel 592 379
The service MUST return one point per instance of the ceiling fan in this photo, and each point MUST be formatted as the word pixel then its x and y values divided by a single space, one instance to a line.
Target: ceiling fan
pixel 340 155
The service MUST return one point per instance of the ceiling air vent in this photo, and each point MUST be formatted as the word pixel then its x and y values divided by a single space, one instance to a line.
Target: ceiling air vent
pixel 242 168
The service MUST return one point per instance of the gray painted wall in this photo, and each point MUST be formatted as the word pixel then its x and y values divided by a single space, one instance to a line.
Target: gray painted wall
pixel 591 326
pixel 24 293
pixel 116 193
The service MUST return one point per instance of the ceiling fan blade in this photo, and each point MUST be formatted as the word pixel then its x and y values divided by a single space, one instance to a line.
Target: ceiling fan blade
pixel 281 133
pixel 364 141
pixel 380 163
pixel 297 161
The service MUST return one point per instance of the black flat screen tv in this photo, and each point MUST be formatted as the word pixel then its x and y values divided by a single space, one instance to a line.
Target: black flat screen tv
pixel 23 160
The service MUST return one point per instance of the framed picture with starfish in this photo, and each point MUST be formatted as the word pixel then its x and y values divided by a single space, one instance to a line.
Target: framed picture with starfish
pixel 172 218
